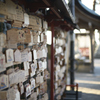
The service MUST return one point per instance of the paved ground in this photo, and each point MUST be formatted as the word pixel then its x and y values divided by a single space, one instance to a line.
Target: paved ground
pixel 89 84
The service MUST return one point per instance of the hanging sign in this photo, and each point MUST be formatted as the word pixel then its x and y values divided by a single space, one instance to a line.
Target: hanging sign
pixel 30 56
pixel 21 36
pixel 9 55
pixel 2 39
pixel 3 82
pixel 28 89
pixel 17 56
pixel 32 80
pixel 24 56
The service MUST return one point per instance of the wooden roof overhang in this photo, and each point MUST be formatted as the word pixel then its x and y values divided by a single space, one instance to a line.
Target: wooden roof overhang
pixel 59 12
pixel 85 16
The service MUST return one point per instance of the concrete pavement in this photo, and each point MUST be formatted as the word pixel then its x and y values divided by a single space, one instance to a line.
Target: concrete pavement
pixel 89 83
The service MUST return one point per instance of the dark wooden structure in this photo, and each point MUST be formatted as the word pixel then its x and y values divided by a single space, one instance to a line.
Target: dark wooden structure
pixel 58 15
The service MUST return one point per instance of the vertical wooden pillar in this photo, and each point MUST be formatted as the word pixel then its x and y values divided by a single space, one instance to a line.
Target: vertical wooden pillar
pixel 92 50
pixel 72 47
pixel 52 64
pixel 72 64
pixel 99 37
pixel 67 58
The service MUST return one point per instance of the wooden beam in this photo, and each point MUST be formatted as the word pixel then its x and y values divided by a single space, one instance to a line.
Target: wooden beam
pixel 50 18
pixel 86 18
pixel 53 9
pixel 59 23
pixel 66 27
pixel 21 2
pixel 82 34
pixel 34 6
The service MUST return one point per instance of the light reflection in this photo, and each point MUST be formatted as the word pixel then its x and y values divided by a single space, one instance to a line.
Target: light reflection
pixel 89 90
pixel 88 82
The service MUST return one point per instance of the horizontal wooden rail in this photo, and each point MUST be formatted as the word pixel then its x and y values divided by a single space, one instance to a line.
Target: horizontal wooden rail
pixel 73 86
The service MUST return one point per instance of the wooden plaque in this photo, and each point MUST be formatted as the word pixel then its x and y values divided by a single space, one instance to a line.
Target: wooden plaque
pixel 24 56
pixel 2 39
pixel 32 80
pixel 17 56
pixel 2 62
pixel 12 36
pixel 28 90
pixel 3 82
pixel 21 36
pixel 9 55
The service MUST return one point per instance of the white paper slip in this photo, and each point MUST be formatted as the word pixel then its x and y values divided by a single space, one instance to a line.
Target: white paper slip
pixel 35 54
pixel 30 56
pixel 26 19
pixel 26 65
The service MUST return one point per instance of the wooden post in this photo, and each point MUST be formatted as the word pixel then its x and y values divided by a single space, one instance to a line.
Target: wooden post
pixel 94 4
pixel 52 64
pixel 68 52
pixel 72 65
pixel 92 50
